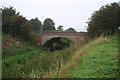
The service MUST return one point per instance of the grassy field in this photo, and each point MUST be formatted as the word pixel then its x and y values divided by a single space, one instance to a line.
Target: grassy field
pixel 28 61
pixel 15 57
pixel 98 59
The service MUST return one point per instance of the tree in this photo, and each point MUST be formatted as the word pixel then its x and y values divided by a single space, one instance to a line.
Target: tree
pixel 60 28
pixel 48 25
pixel 7 13
pixel 14 25
pixel 36 25
pixel 104 21
pixel 70 30
pixel 25 30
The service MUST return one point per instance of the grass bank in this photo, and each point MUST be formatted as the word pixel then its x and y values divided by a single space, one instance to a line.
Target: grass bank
pixel 16 59
pixel 98 59
pixel 26 61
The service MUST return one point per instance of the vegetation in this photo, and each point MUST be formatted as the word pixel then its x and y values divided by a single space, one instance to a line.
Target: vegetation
pixel 36 25
pixel 70 30
pixel 28 61
pixel 98 59
pixel 23 59
pixel 48 25
pixel 104 21
pixel 93 60
pixel 15 24
pixel 60 28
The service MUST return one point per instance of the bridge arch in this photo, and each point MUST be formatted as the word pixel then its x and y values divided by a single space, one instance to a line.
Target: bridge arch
pixel 67 38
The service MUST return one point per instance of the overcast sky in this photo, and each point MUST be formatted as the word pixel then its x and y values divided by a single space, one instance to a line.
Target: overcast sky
pixel 69 13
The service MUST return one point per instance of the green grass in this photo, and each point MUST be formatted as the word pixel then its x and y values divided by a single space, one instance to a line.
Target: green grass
pixel 27 61
pixel 100 60
pixel 51 62
pixel 33 64
pixel 15 65
pixel 17 60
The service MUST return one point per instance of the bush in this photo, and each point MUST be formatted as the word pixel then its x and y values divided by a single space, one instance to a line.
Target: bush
pixel 32 36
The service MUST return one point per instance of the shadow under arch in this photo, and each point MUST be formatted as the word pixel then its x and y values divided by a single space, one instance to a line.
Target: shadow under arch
pixel 58 43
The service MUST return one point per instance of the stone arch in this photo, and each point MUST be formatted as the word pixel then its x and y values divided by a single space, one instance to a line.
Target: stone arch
pixel 58 37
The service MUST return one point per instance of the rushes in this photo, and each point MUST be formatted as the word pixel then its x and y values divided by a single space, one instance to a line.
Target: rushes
pixel 35 64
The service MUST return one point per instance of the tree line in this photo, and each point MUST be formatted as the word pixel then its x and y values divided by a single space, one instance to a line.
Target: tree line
pixel 15 24
pixel 105 21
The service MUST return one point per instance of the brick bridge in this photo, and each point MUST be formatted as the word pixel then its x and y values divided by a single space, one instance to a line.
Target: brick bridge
pixel 76 37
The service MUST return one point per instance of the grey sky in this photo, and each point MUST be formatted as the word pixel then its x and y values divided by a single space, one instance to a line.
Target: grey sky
pixel 69 13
